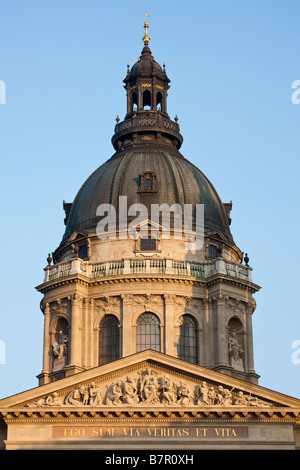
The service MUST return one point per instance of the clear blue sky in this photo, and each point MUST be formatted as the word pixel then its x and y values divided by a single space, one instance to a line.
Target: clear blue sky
pixel 232 64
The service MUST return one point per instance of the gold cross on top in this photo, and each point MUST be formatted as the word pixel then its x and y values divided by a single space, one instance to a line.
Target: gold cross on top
pixel 146 38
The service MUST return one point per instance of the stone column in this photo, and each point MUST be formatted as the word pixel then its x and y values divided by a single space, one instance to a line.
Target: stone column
pixel 44 376
pixel 222 347
pixel 75 359
pixel 126 327
pixel 169 332
pixel 90 335
pixel 86 336
pixel 249 367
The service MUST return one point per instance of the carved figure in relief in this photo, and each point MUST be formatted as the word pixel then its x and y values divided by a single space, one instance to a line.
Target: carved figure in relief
pixel 203 397
pixel 115 395
pixel 241 399
pixel 254 401
pixel 94 395
pixel 130 395
pixel 73 398
pixel 224 396
pixel 79 396
pixel 184 394
pixel 168 391
pixel 211 396
pixel 50 400
pixel 149 388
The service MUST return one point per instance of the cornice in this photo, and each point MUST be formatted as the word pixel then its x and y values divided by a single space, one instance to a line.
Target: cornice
pixel 158 415
pixel 141 278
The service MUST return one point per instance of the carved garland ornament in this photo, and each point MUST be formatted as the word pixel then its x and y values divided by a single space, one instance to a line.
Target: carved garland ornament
pixel 150 389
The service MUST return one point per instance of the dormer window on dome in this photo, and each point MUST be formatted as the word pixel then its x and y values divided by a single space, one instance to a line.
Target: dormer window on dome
pixel 147 182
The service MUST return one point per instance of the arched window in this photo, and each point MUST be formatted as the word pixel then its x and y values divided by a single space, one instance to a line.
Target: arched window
pixel 109 340
pixel 158 100
pixel 134 101
pixel 146 99
pixel 187 346
pixel 148 332
pixel 148 185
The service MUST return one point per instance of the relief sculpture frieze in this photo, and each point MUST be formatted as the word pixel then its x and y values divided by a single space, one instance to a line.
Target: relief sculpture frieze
pixel 150 388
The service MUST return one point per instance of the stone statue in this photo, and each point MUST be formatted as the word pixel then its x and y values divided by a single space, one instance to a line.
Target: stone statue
pixel 59 347
pixel 234 348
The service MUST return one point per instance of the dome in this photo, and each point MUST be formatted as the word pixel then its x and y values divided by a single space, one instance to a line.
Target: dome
pixel 147 166
pixel 175 179
pixel 146 65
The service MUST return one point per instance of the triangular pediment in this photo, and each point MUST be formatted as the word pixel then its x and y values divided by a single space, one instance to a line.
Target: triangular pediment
pixel 217 235
pixel 151 379
pixel 145 226
pixel 76 236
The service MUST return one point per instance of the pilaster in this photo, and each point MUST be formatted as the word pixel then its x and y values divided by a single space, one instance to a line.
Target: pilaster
pixel 76 340
pixel 169 332
pixel 222 347
pixel 126 333
pixel 44 375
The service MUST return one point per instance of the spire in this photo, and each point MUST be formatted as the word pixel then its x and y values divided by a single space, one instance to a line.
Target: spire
pixel 146 38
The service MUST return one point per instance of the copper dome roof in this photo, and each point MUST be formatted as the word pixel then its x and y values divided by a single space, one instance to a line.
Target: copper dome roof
pixel 146 141
pixel 176 181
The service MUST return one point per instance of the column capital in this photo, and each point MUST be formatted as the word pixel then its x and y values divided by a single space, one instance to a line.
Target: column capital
pixel 45 307
pixel 75 299
pixel 169 298
pixel 126 298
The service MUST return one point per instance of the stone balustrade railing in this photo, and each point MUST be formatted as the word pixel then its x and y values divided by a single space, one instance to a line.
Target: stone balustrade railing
pixel 125 266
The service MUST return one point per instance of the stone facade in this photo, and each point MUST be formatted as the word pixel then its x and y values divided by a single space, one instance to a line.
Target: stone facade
pixel 153 401
pixel 169 296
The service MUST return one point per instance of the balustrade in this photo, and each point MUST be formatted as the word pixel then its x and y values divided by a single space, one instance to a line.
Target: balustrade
pixel 147 266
